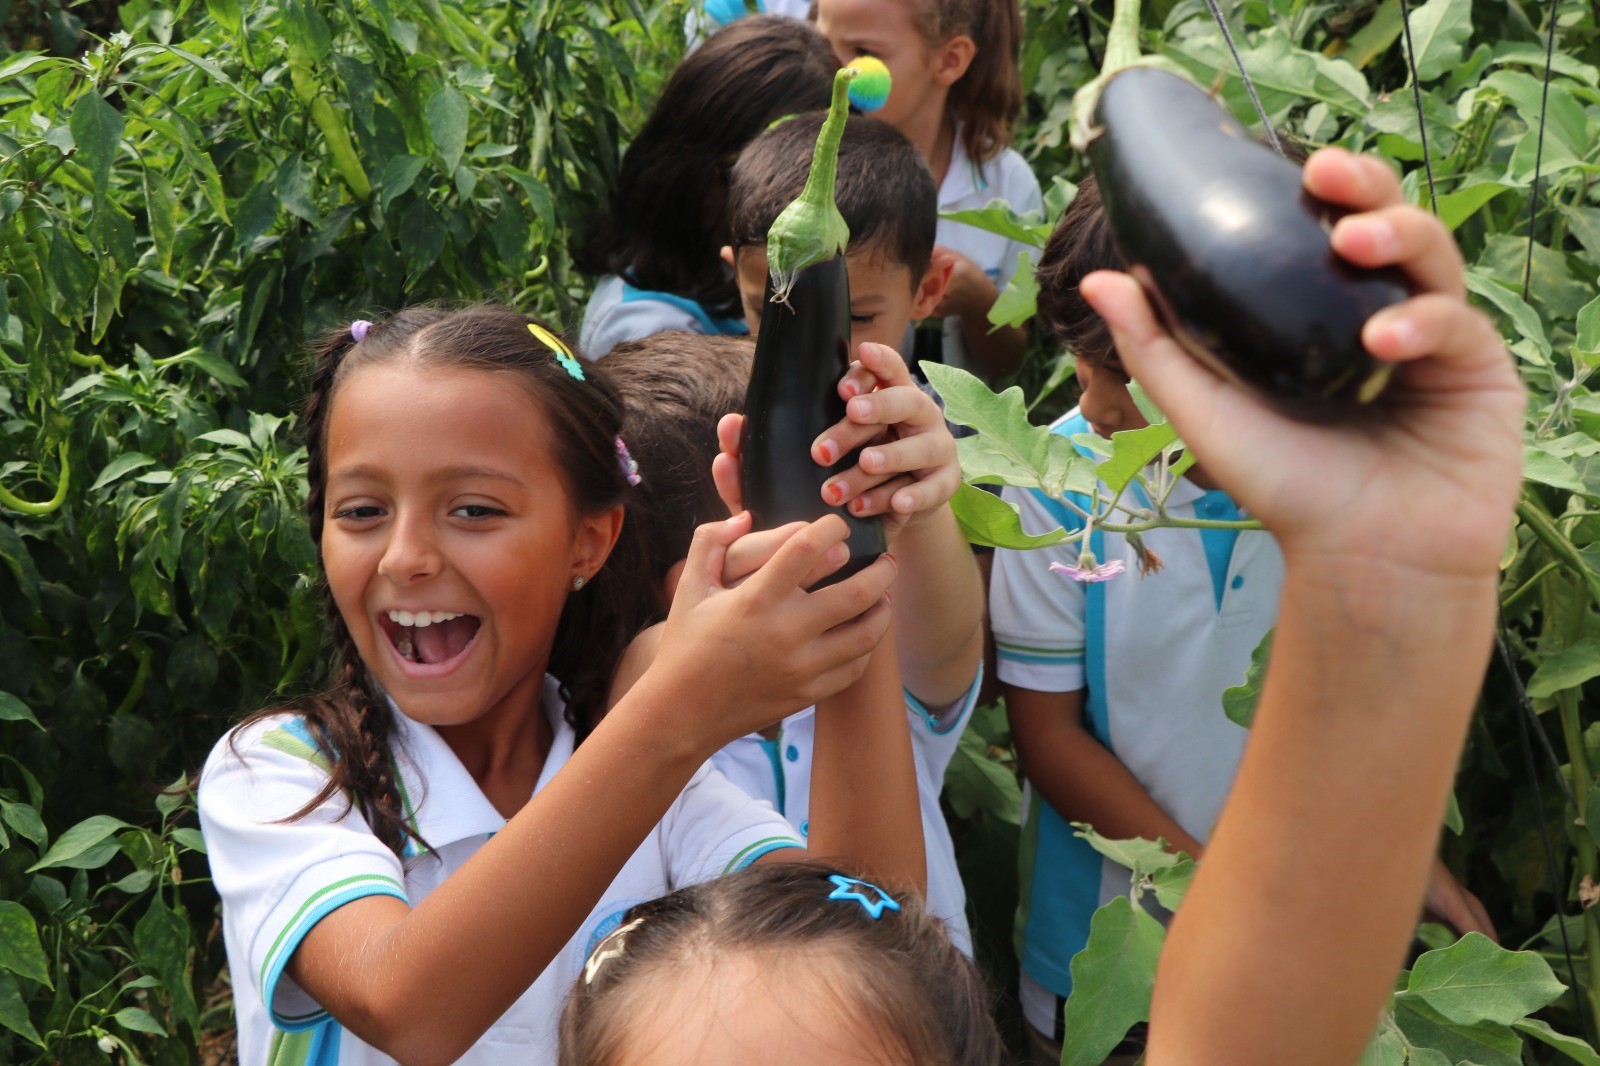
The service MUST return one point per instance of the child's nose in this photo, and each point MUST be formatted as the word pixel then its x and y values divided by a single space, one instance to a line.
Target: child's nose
pixel 1095 402
pixel 412 553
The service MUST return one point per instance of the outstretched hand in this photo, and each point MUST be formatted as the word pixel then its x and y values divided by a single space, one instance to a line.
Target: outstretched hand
pixel 1444 440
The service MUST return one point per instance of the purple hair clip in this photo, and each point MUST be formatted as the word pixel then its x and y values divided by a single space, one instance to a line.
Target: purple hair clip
pixel 630 469
pixel 358 329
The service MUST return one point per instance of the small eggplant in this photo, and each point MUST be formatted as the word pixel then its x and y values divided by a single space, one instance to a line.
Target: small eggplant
pixel 1233 253
pixel 804 349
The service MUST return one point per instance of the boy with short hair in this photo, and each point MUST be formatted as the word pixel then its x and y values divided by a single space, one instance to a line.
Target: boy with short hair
pixel 1114 683
pixel 887 197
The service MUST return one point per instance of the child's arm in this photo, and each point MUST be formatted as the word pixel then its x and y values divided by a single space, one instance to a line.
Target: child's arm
pixel 996 351
pixel 864 808
pixel 1079 777
pixel 907 473
pixel 729 662
pixel 1391 529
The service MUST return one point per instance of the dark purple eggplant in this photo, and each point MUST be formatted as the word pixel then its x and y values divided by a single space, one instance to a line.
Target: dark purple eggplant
pixel 802 352
pixel 1233 253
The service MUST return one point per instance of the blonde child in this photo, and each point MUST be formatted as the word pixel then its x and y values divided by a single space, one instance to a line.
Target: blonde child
pixel 414 864
pixel 956 92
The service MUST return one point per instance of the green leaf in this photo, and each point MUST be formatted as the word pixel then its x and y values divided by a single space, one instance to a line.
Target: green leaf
pixel 190 838
pixel 20 950
pixel 1019 301
pixel 1539 465
pixel 97 127
pixel 14 1011
pixel 138 1021
pixel 12 709
pixel 985 519
pixel 422 237
pixel 1476 980
pixel 227 14
pixel 25 821
pixel 161 208
pixel 80 843
pixel 1524 318
pixel 447 121
pixel 974 783
pixel 162 941
pixel 1567 668
pixel 1452 815
pixel 1002 417
pixel 1141 856
pixel 1485 1044
pixel 14 553
pixel 1112 978
pixel 122 464
pixel 1438 30
pixel 399 174
pixel 1239 701
pixel 292 185
pixel 1131 451
pixel 1172 883
pixel 1572 1047
pixel 997 216
pixel 1456 207
pixel 214 365
pixel 1589 327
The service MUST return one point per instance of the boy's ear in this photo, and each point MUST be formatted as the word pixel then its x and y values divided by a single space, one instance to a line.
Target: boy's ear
pixel 952 60
pixel 727 255
pixel 931 289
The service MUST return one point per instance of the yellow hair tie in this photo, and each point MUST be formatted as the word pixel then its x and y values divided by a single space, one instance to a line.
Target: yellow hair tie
pixel 563 354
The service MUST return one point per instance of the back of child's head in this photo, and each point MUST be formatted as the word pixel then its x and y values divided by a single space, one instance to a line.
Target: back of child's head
pixel 665 220
pixel 989 95
pixel 884 188
pixel 581 419
pixel 675 387
pixel 859 966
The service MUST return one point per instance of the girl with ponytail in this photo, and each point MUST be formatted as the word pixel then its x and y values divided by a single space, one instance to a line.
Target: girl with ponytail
pixel 956 90
pixel 414 863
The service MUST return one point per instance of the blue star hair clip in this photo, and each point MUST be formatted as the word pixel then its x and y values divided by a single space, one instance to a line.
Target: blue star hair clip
pixel 563 354
pixel 856 889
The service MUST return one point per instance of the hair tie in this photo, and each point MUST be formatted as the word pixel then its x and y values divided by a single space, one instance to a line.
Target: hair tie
pixel 358 329
pixel 618 941
pixel 563 354
pixel 630 469
pixel 853 888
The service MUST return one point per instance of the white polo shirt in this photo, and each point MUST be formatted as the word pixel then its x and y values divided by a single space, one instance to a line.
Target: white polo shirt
pixel 1154 654
pixel 619 311
pixel 969 185
pixel 278 879
pixel 778 772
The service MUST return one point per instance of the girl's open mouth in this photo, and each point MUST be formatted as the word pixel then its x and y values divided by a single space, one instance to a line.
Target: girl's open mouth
pixel 429 644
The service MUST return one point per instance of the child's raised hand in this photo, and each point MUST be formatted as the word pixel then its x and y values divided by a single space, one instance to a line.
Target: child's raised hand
pixel 752 654
pixel 1441 451
pixel 908 467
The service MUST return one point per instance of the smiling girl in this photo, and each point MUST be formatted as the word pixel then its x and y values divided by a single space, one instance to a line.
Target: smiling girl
pixel 414 864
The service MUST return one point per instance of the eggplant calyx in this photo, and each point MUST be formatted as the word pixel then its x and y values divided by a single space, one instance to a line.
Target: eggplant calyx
pixel 811 230
pixel 1083 129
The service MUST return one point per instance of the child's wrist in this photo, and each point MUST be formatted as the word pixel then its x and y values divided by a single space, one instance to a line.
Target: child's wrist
pixel 1391 599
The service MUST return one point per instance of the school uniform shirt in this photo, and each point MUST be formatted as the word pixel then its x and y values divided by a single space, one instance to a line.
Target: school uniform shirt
pixel 279 878
pixel 778 772
pixel 620 311
pixel 969 185
pixel 1154 653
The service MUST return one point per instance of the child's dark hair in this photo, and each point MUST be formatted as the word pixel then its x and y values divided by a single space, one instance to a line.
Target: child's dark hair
pixel 989 95
pixel 897 972
pixel 1080 244
pixel 351 720
pixel 674 387
pixel 884 189
pixel 666 218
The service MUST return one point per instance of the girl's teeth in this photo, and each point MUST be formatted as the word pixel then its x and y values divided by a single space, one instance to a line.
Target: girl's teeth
pixel 405 618
pixel 422 618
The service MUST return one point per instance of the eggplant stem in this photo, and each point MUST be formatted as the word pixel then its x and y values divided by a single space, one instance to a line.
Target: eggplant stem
pixel 811 230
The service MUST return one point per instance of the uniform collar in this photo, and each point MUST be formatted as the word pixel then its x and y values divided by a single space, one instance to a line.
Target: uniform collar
pixel 962 178
pixel 442 801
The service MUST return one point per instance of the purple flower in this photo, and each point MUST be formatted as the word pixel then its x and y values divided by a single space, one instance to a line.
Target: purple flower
pixel 1087 571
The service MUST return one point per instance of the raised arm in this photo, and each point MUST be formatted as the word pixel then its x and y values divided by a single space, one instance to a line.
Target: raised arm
pixel 1391 528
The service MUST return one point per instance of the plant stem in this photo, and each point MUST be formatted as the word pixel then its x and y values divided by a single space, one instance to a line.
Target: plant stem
pixel 1542 527
pixel 1588 861
pixel 38 510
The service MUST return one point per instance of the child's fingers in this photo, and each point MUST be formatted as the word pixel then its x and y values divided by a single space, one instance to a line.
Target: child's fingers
pixel 1406 237
pixel 1175 380
pixel 799 555
pixel 878 498
pixel 888 365
pixel 730 434
pixel 726 472
pixel 907 407
pixel 1437 325
pixel 702 570
pixel 838 657
pixel 750 553
pixel 1358 182
pixel 922 455
pixel 827 609
pixel 857 380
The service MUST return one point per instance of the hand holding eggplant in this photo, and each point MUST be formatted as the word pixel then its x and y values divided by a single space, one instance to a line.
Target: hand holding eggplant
pixel 1444 440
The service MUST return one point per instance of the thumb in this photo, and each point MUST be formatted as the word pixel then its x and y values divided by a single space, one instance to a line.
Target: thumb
pixel 702 570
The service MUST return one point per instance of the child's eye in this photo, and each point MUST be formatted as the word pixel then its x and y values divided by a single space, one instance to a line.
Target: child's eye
pixel 477 510
pixel 358 513
pixel 864 320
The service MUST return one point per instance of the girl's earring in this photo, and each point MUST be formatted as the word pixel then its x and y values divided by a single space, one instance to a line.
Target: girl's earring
pixel 578 583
